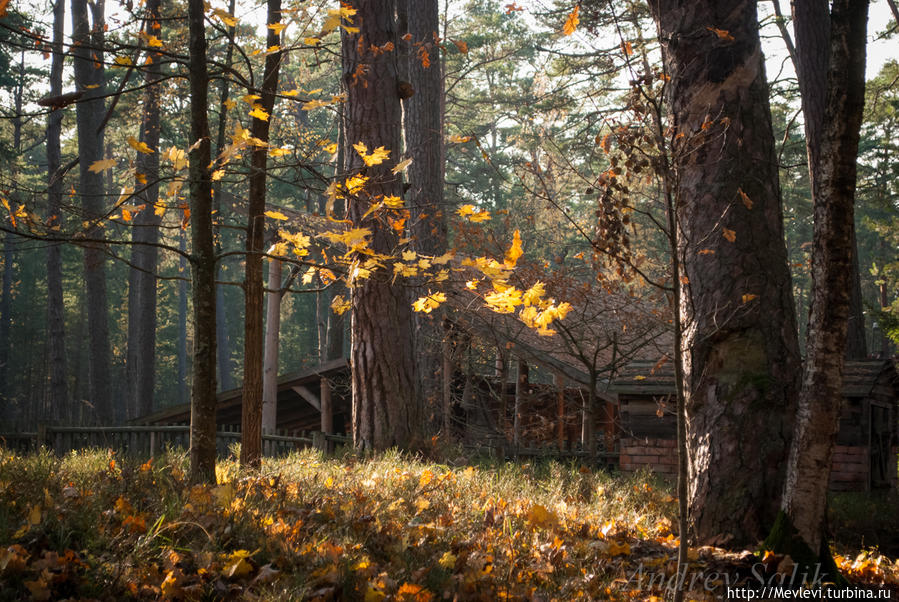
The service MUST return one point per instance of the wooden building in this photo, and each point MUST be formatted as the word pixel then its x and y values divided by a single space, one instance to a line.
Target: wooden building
pixel 299 402
pixel 865 456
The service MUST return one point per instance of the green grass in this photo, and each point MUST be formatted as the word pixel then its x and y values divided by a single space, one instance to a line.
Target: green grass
pixel 390 526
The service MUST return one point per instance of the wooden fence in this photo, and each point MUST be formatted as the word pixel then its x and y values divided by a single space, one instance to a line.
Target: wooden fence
pixel 150 440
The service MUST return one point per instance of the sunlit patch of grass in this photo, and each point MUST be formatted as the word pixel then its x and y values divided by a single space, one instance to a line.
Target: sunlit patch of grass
pixel 309 525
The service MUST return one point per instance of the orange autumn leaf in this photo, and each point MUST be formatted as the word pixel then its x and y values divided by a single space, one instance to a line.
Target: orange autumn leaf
pixel 730 235
pixel 514 251
pixel 572 21
pixel 722 34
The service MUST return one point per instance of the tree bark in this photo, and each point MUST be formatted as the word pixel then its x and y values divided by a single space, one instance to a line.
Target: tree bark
pixel 141 360
pixel 58 395
pixel 811 59
pixel 820 401
pixel 223 349
pixel 202 402
pixel 87 37
pixel 385 408
pixel 740 346
pixel 251 415
pixel 270 363
pixel 423 125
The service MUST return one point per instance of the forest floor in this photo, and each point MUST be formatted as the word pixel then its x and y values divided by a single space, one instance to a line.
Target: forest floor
pixel 93 525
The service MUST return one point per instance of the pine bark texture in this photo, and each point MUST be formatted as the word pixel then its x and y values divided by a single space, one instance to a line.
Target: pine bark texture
pixel 385 408
pixel 251 415
pixel 423 126
pixel 58 395
pixel 87 51
pixel 740 347
pixel 821 397
pixel 141 361
pixel 812 27
pixel 202 401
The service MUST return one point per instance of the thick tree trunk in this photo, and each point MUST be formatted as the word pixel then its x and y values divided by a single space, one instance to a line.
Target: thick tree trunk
pixel 385 408
pixel 270 363
pixel 141 361
pixel 87 36
pixel 812 27
pixel 251 416
pixel 821 397
pixel 740 347
pixel 423 125
pixel 58 396
pixel 202 402
pixel 6 320
pixel 181 344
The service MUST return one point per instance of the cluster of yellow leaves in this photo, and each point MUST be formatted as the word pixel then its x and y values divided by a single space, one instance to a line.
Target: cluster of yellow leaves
pixel 376 157
pixel 472 215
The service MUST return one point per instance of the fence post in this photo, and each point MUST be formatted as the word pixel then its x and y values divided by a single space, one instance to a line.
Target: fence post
pixel 41 434
pixel 319 441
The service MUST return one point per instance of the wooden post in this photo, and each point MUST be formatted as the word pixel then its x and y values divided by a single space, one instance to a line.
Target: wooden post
pixel 521 385
pixel 270 358
pixel 319 441
pixel 41 434
pixel 327 422
pixel 559 382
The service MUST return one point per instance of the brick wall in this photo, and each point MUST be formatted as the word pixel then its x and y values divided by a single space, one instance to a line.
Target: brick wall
pixel 849 473
pixel 658 455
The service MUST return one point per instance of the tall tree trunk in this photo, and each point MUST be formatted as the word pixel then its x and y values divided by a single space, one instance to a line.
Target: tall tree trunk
pixel 251 415
pixel 58 396
pixel 811 60
pixel 385 409
pixel 202 402
pixel 6 321
pixel 740 346
pixel 270 363
pixel 423 124
pixel 88 37
pixel 223 349
pixel 834 173
pixel 141 361
pixel 181 344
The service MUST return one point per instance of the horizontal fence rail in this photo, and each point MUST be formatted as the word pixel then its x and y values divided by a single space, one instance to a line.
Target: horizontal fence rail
pixel 150 440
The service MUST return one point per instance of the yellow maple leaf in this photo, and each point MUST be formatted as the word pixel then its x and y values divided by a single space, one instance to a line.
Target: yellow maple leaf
pixel 429 303
pixel 376 157
pixel 572 21
pixel 276 215
pixel 140 147
pixel 539 516
pixel 331 148
pixel 101 165
pixel 225 17
pixel 514 251
pixel 259 113
pixel 277 27
pixel 340 306
pixel 122 61
pixel 154 42
pixel 278 152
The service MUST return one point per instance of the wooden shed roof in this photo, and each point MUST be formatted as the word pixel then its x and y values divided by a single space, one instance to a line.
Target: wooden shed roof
pixel 228 403
pixel 657 378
